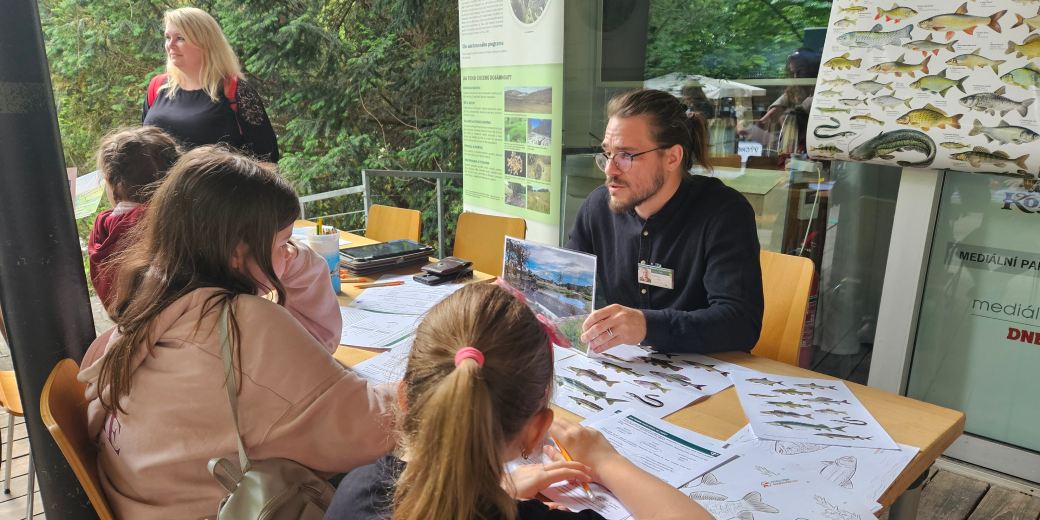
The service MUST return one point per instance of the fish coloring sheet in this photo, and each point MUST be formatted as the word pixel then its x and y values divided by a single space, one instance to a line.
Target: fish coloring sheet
pixel 693 372
pixel 756 486
pixel 817 411
pixel 864 472
pixel 929 84
pixel 587 387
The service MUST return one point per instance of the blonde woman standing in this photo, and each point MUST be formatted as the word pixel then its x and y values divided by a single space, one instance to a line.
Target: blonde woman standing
pixel 202 98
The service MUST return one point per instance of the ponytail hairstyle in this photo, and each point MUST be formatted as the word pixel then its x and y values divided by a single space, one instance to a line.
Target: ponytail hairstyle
pixel 460 420
pixel 211 202
pixel 668 119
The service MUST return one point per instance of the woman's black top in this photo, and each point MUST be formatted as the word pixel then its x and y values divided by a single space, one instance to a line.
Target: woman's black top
pixel 194 119
pixel 368 492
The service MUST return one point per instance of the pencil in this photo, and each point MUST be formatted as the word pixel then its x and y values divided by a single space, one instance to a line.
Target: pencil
pixel 353 280
pixel 567 457
pixel 379 284
pixel 320 228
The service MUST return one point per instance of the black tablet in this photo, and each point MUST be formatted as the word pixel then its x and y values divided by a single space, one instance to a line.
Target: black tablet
pixel 391 249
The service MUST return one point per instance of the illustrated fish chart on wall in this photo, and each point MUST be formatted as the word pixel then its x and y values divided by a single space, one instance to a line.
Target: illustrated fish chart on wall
pixel 926 84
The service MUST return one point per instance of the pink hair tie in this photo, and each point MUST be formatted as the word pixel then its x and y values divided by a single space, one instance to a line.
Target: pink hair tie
pixel 465 353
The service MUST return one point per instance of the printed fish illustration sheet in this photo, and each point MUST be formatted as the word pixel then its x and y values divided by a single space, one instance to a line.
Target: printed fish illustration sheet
pixel 864 472
pixel 587 387
pixel 816 411
pixel 926 84
pixel 693 372
pixel 757 485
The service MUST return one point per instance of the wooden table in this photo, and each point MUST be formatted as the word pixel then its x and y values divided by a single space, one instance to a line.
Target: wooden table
pixel 926 426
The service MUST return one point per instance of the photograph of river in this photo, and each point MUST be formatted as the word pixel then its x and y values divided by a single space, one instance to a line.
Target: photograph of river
pixel 558 283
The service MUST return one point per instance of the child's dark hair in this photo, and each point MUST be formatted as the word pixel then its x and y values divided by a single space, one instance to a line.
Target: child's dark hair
pixel 461 419
pixel 133 160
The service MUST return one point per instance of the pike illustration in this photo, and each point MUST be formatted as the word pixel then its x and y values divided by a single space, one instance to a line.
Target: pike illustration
pixel 705 366
pixel 996 103
pixel 928 45
pixel 827 400
pixel 587 390
pixel 765 381
pixel 1004 133
pixel 814 386
pixel 980 155
pixel 592 374
pixel 586 404
pixel 929 116
pixel 896 13
pixel 764 395
pixel 884 144
pixel 795 425
pixel 787 404
pixel 900 67
pixel 960 20
pixel 875 38
pixel 791 391
pixel 974 60
pixel 830 411
pixel 678 378
pixel 781 413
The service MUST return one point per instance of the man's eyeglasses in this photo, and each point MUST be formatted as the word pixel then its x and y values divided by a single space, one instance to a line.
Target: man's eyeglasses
pixel 623 160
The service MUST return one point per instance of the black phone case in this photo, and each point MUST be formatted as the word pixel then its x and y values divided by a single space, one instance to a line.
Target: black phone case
pixel 447 266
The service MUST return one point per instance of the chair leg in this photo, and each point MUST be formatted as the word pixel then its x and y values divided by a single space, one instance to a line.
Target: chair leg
pixel 30 494
pixel 7 458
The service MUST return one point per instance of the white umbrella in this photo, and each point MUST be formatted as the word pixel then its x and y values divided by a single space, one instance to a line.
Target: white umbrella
pixel 713 88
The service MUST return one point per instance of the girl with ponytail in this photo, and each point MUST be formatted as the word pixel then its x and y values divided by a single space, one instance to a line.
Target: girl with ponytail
pixel 475 395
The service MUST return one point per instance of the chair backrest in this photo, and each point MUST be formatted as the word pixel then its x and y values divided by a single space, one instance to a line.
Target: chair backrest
pixel 481 239
pixel 387 223
pixel 63 408
pixel 786 281
pixel 9 396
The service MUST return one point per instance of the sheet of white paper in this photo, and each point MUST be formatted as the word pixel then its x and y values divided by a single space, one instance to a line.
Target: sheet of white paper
pixel 411 298
pixel 89 191
pixel 706 375
pixel 573 497
pixel 387 367
pixel 671 453
pixel 374 329
pixel 586 387
pixel 817 411
pixel 865 472
pixel 756 482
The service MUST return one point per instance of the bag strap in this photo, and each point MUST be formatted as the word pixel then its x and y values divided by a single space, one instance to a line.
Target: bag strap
pixel 231 95
pixel 230 384
pixel 153 88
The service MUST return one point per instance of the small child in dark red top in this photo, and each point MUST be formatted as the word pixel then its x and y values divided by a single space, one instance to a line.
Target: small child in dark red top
pixel 132 162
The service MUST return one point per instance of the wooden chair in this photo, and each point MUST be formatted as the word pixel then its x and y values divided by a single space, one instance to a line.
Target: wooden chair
pixel 387 223
pixel 786 281
pixel 63 409
pixel 481 239
pixel 11 400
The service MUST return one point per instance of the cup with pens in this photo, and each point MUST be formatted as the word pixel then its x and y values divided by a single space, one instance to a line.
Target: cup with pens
pixel 325 242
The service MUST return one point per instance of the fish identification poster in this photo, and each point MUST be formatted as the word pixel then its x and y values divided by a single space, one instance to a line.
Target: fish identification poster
pixel 511 59
pixel 926 84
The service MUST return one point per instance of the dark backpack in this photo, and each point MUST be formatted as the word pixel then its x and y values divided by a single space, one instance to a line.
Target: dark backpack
pixel 230 93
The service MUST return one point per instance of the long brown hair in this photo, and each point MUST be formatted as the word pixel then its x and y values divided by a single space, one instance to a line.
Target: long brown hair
pixel 669 122
pixel 212 201
pixel 460 420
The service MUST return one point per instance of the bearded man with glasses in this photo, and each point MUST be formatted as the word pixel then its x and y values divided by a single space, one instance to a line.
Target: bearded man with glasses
pixel 677 254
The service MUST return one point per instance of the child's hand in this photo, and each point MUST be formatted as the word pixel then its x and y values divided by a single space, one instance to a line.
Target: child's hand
pixel 583 444
pixel 526 481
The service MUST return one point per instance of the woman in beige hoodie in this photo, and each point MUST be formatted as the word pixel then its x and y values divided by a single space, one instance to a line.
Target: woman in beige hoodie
pixel 218 231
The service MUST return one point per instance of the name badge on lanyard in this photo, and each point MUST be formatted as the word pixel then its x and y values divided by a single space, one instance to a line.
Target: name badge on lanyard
pixel 654 275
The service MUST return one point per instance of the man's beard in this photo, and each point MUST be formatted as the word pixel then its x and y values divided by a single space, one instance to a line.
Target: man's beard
pixel 618 206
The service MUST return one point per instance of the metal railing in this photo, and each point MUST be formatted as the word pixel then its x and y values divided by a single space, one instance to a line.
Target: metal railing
pixel 363 189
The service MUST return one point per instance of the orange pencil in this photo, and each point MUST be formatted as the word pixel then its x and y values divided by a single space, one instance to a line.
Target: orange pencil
pixel 567 457
pixel 380 284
